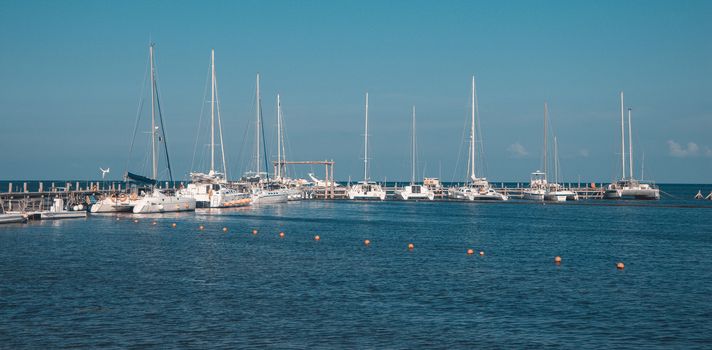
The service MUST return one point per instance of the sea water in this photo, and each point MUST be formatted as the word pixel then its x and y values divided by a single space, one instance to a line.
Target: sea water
pixel 101 282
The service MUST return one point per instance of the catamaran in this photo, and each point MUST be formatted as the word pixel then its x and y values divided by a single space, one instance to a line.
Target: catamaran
pixel 158 200
pixel 366 189
pixel 413 190
pixel 263 190
pixel 477 188
pixel 211 190
pixel 629 187
pixel 127 202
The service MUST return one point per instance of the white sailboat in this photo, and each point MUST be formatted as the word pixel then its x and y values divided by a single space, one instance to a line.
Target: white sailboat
pixel 263 190
pixel 366 189
pixel 211 190
pixel 629 187
pixel 539 182
pixel 290 186
pixel 157 200
pixel 413 190
pixel 477 188
pixel 557 192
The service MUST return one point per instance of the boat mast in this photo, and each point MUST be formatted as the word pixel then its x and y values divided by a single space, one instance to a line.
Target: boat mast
pixel 472 134
pixel 630 145
pixel 154 159
pixel 365 145
pixel 257 128
pixel 279 139
pixel 412 140
pixel 556 161
pixel 212 112
pixel 622 138
pixel 546 126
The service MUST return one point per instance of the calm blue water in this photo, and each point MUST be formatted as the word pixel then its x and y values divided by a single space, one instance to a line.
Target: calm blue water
pixel 106 283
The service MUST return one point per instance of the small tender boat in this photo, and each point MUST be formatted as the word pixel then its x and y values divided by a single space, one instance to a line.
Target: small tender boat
pixel 11 218
pixel 57 211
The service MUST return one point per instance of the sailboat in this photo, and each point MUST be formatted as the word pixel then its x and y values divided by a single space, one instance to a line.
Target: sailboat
pixel 366 189
pixel 629 187
pixel 556 192
pixel 264 191
pixel 477 188
pixel 290 186
pixel 539 184
pixel 413 190
pixel 157 200
pixel 211 190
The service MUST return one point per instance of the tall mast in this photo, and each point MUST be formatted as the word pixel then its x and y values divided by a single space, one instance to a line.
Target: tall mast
pixel 546 126
pixel 630 145
pixel 154 159
pixel 212 112
pixel 279 139
pixel 556 161
pixel 622 138
pixel 257 128
pixel 412 140
pixel 365 145
pixel 472 134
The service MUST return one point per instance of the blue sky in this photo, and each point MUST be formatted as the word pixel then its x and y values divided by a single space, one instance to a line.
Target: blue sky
pixel 71 74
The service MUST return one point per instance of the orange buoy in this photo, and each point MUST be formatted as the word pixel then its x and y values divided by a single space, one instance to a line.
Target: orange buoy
pixel 201 227
pixel 317 238
pixel 557 260
pixel 153 223
pixel 173 224
pixel 470 251
pixel 620 266
pixel 367 242
pixel 254 232
pixel 482 253
pixel 135 221
pixel 411 246
pixel 281 235
pixel 224 229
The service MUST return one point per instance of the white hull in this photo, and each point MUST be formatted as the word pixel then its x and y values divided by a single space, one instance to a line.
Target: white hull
pixel 415 192
pixel 113 205
pixel 649 193
pixel 215 196
pixel 157 202
pixel 11 218
pixel 366 191
pixel 533 195
pixel 294 194
pixel 479 191
pixel 270 197
pixel 555 197
pixel 50 215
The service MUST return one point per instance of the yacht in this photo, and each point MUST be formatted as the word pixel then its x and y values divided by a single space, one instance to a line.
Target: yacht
pixel 538 186
pixel 366 189
pixel 162 201
pixel 477 188
pixel 211 190
pixel 413 190
pixel 263 189
pixel 628 187
pixel 556 192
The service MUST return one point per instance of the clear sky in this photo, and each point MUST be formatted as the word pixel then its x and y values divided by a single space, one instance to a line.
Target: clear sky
pixel 71 74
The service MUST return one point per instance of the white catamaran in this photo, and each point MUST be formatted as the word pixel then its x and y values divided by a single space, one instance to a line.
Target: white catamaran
pixel 413 190
pixel 477 188
pixel 629 187
pixel 157 200
pixel 211 190
pixel 366 189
